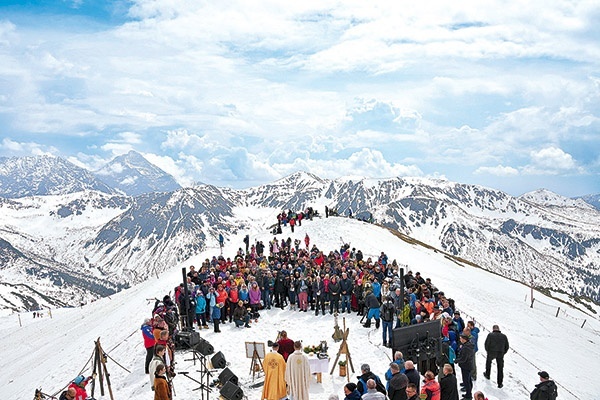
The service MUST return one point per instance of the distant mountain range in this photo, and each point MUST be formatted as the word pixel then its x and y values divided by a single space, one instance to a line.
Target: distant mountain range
pixel 92 239
pixel 130 174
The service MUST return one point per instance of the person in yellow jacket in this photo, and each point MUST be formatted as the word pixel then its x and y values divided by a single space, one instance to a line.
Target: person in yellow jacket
pixel 274 366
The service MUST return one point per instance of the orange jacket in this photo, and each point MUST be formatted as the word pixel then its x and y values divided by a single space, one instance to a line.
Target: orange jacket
pixel 431 389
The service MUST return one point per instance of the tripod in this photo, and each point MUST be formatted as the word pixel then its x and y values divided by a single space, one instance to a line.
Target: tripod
pixel 205 374
pixel 205 389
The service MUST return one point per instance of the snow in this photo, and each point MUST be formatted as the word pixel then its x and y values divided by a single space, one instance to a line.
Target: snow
pixel 48 352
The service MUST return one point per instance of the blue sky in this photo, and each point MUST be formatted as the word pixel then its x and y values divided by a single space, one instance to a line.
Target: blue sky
pixel 237 93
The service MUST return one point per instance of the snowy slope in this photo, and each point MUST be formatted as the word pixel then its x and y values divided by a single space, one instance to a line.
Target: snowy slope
pixel 47 353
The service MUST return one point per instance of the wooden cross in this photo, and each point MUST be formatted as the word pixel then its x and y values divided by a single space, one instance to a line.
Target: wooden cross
pixel 344 350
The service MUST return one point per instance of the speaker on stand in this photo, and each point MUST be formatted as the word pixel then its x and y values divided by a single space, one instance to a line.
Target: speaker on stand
pixel 218 361
pixel 204 347
pixel 227 376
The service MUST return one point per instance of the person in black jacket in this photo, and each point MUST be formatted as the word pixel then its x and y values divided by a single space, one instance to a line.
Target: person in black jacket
pixel 411 392
pixel 335 293
pixel 496 346
pixel 388 315
pixel 397 384
pixel 465 362
pixel 412 374
pixel 448 387
pixel 373 305
pixel 546 389
pixel 346 289
pixel 280 289
pixel 361 386
pixel 351 392
pixel 318 292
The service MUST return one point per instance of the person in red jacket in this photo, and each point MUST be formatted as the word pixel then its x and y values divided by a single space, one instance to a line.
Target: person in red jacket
pixel 286 345
pixel 79 385
pixel 233 297
pixel 149 341
pixel 431 388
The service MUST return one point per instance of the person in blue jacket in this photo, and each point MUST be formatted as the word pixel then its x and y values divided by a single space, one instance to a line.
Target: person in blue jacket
pixel 474 339
pixel 201 310
pixel 216 316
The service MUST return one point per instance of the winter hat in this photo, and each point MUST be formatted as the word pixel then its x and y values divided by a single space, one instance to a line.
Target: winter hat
pixel 544 374
pixel 351 386
pixel 79 380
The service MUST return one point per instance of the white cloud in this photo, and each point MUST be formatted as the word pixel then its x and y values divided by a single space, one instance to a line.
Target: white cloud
pixel 366 162
pixel 237 90
pixel 117 148
pixel 171 166
pixel 130 137
pixel 551 160
pixel 15 148
pixel 499 170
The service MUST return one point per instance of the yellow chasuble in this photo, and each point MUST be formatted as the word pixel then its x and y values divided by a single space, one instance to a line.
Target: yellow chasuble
pixel 274 366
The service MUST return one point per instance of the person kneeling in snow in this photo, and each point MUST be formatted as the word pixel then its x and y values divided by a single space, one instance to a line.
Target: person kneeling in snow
pixel 240 315
pixel 79 385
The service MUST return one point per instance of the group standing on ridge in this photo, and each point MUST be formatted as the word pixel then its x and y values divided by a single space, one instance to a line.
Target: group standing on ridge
pixel 300 276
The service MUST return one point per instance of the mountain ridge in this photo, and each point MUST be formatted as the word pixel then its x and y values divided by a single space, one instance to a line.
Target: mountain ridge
pixel 123 240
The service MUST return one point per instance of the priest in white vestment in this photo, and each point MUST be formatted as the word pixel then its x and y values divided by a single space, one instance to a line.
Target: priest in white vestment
pixel 297 374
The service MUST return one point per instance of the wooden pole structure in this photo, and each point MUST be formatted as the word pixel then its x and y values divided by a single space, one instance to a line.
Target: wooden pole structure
pixel 344 350
pixel 103 359
pixel 94 367
pixel 99 367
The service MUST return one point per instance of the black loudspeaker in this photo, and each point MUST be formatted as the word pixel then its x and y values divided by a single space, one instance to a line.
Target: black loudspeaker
pixel 231 392
pixel 218 361
pixel 187 339
pixel 227 376
pixel 204 347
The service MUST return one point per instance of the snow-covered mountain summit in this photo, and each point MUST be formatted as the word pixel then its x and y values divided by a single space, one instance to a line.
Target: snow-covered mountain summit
pixel 45 175
pixel 548 198
pixel 132 174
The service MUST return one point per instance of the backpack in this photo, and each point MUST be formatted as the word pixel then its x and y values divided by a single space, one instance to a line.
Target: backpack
pixel 451 355
pixel 552 392
pixel 388 312
pixel 379 386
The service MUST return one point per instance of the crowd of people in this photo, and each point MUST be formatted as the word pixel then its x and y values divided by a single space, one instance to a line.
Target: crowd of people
pixel 302 277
